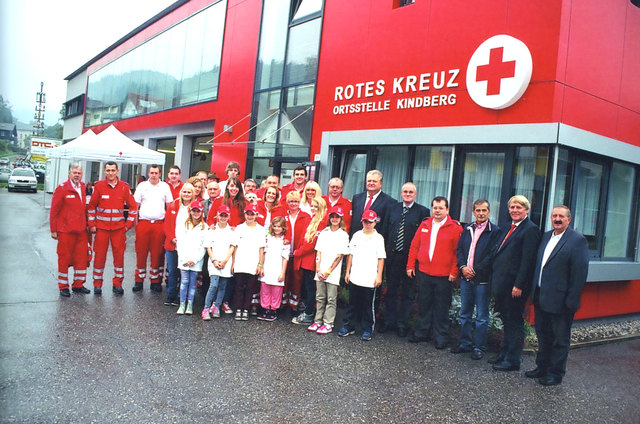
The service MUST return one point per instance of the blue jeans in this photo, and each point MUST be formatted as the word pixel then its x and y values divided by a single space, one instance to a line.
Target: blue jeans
pixel 473 295
pixel 216 292
pixel 174 275
pixel 188 284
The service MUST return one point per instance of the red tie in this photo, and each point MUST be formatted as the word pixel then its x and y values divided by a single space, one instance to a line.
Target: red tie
pixel 368 205
pixel 513 226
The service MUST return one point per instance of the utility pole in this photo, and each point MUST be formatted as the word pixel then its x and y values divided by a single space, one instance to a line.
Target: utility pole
pixel 38 125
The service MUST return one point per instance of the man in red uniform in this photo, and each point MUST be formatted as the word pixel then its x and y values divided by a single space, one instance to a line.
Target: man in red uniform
pixel 153 197
pixel 173 179
pixel 298 183
pixel 107 221
pixel 68 225
pixel 434 248
pixel 335 199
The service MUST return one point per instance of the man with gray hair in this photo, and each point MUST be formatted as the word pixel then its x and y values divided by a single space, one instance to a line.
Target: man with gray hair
pixel 68 225
pixel 335 198
pixel 373 198
pixel 511 267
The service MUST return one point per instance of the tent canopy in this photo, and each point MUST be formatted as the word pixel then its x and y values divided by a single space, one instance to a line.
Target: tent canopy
pixel 109 145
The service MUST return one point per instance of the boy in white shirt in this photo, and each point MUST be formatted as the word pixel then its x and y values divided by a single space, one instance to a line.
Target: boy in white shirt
pixel 365 263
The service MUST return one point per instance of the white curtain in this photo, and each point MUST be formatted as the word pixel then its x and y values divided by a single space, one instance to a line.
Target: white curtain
pixel 393 163
pixel 482 179
pixel 431 172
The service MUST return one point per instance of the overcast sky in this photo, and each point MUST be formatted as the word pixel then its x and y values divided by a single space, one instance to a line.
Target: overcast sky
pixel 46 40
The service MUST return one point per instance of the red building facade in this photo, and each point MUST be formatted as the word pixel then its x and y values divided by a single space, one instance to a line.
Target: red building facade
pixel 415 90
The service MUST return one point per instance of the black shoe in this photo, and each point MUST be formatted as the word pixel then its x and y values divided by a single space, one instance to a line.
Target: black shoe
pixel 460 349
pixel 441 345
pixel 118 290
pixel 477 354
pixel 65 293
pixel 505 366
pixel 156 287
pixel 416 339
pixel 385 328
pixel 136 287
pixel 97 291
pixel 402 332
pixel 495 359
pixel 536 373
pixel 81 290
pixel 550 380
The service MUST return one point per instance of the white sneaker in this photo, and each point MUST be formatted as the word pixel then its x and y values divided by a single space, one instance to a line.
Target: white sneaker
pixel 181 308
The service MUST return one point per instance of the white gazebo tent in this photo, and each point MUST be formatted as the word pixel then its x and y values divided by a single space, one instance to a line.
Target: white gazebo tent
pixel 109 145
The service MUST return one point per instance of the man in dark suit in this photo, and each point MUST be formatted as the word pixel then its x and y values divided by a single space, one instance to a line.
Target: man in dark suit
pixel 511 264
pixel 400 225
pixel 559 276
pixel 373 199
pixel 476 242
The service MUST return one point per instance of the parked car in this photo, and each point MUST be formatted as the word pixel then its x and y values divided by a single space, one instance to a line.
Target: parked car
pixel 4 162
pixel 4 175
pixel 22 179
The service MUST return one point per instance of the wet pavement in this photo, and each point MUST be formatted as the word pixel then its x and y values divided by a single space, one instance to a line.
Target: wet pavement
pixel 131 359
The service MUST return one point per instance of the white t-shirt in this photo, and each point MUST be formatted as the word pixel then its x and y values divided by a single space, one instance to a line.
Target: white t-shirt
pixel 366 250
pixel 274 253
pixel 190 246
pixel 152 199
pixel 247 255
pixel 219 240
pixel 331 244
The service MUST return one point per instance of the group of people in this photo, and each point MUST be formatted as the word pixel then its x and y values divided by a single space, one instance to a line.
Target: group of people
pixel 284 247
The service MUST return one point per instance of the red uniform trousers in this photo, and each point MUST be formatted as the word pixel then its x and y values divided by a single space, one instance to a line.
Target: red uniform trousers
pixel 149 242
pixel 100 246
pixel 72 251
pixel 292 286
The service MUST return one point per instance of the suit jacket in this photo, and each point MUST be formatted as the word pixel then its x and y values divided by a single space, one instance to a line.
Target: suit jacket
pixel 512 263
pixel 391 222
pixel 380 206
pixel 486 242
pixel 564 274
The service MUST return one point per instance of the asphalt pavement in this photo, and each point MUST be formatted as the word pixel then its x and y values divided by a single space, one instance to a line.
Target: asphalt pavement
pixel 109 359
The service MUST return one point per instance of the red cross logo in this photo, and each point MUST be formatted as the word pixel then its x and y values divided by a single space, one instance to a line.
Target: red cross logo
pixel 499 72
pixel 495 71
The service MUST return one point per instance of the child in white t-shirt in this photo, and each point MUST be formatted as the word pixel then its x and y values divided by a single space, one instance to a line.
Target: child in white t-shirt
pixel 332 244
pixel 220 245
pixel 190 246
pixel 248 261
pixel 276 256
pixel 363 275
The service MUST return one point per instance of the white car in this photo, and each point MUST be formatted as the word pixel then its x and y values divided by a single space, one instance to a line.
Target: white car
pixel 23 179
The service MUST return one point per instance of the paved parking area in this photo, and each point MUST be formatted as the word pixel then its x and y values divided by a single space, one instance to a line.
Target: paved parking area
pixel 131 359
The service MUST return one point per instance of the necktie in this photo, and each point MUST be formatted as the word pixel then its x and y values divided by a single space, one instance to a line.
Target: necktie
pixel 400 237
pixel 368 205
pixel 513 226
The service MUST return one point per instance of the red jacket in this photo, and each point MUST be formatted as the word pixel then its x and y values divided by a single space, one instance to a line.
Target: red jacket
pixel 302 222
pixel 345 204
pixel 170 225
pixel 68 211
pixel 261 219
pixel 305 256
pixel 444 261
pixel 175 191
pixel 106 207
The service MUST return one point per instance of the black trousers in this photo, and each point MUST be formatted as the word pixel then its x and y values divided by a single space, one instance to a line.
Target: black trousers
pixel 401 291
pixel 361 309
pixel 511 312
pixel 554 337
pixel 434 300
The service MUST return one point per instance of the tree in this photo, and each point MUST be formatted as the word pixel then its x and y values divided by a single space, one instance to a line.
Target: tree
pixel 6 115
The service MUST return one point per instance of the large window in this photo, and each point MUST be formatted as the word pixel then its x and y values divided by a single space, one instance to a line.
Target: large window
pixel 602 194
pixel 178 67
pixel 286 72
